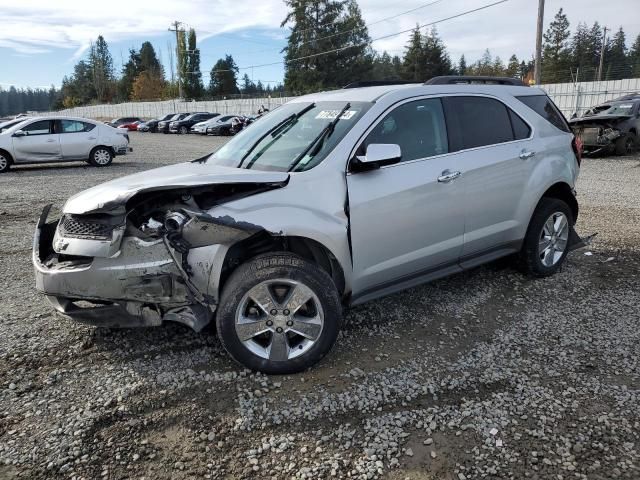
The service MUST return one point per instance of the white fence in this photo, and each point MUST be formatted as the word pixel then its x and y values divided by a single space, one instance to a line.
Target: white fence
pixel 578 97
pixel 570 97
pixel 241 106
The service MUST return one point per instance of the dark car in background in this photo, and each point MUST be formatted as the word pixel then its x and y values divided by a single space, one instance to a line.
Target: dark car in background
pixel 184 125
pixel 118 122
pixel 611 127
pixel 163 126
pixel 223 125
pixel 152 125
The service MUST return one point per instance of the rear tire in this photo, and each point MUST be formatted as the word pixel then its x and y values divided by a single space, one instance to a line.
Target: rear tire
pixel 101 157
pixel 264 336
pixel 547 241
pixel 5 161
pixel 184 130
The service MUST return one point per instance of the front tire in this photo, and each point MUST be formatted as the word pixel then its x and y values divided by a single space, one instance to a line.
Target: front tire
pixel 5 162
pixel 101 157
pixel 626 145
pixel 547 241
pixel 183 130
pixel 278 314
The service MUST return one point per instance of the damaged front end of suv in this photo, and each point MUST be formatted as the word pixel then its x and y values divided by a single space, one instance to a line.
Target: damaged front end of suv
pixel 142 251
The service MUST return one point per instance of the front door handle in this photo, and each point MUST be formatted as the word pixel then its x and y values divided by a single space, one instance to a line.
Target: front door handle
pixel 524 154
pixel 51 140
pixel 447 176
pixel 92 138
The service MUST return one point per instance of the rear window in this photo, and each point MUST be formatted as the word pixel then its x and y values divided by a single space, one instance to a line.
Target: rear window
pixel 544 107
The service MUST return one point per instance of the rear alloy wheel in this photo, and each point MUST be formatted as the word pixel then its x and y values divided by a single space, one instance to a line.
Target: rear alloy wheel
pixel 547 242
pixel 278 314
pixel 5 162
pixel 184 130
pixel 101 157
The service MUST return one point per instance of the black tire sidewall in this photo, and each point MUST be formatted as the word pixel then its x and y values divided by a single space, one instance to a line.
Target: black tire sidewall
pixel 9 161
pixel 530 255
pixel 272 266
pixel 96 164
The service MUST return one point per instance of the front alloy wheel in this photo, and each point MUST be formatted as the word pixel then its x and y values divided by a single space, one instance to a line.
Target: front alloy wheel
pixel 184 130
pixel 4 162
pixel 278 314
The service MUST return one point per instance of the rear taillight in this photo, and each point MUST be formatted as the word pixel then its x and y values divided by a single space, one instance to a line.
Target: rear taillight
pixel 576 144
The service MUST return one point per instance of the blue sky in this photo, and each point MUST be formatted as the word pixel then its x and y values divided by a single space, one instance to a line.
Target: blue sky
pixel 41 40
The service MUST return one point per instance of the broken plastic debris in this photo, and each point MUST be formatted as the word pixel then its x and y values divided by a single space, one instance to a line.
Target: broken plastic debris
pixel 499 442
pixel 493 431
pixel 610 259
pixel 588 254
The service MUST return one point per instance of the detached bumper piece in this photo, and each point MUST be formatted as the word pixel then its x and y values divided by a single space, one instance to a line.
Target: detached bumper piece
pixel 576 242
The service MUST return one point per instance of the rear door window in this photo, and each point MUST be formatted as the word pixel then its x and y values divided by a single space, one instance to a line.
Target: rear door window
pixel 477 121
pixel 418 127
pixel 544 107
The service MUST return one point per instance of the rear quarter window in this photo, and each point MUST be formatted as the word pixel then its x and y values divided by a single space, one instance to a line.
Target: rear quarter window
pixel 543 106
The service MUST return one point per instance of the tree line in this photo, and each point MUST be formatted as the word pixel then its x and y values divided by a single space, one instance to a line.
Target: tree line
pixel 328 46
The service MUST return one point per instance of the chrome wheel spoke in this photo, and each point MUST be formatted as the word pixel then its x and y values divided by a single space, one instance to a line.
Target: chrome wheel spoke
pixel 560 224
pixel 298 296
pixel 548 227
pixel 278 349
pixel 262 296
pixel 307 327
pixel 544 243
pixel 249 329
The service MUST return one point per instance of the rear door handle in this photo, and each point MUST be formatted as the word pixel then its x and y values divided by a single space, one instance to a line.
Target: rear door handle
pixel 447 176
pixel 524 154
pixel 92 138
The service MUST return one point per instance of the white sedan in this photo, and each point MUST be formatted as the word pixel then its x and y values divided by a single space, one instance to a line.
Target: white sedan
pixel 61 139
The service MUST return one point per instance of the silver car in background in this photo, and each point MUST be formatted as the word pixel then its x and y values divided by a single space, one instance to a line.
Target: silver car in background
pixel 331 200
pixel 61 139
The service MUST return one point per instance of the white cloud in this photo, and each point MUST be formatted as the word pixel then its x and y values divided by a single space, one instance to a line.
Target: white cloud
pixel 37 26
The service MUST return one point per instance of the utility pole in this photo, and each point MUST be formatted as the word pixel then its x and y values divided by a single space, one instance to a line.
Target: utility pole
pixel 604 46
pixel 537 71
pixel 176 28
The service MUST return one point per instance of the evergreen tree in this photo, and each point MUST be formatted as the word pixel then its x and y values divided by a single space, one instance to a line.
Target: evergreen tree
pixel 582 52
pixel 327 46
pixel 14 101
pixel 556 56
pixel 130 72
pixel 462 65
pixel 223 77
pixel 383 68
pixel 149 61
pixel 413 62
pixel 616 66
pixel 192 87
pixel 513 68
pixel 634 58
pixel 101 64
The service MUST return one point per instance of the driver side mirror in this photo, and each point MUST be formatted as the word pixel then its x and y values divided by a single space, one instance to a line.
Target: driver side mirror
pixel 377 155
pixel 19 133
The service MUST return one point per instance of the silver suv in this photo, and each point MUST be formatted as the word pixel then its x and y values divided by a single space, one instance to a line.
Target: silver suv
pixel 329 201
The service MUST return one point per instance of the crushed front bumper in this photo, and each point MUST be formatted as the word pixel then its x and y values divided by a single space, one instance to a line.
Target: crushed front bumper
pixel 139 285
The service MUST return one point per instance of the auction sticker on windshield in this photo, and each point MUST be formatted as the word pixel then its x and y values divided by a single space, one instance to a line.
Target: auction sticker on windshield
pixel 332 114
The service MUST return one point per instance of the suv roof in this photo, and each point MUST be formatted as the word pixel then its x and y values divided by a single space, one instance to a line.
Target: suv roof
pixel 371 94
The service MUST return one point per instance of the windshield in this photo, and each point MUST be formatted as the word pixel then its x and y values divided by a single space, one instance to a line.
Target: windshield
pixel 281 136
pixel 614 109
pixel 5 126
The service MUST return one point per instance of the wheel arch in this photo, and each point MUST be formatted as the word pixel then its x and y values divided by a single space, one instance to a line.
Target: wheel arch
pixel 305 247
pixel 562 191
pixel 7 153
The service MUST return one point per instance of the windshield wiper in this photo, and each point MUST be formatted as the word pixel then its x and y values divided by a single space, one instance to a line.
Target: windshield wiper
pixel 314 147
pixel 276 129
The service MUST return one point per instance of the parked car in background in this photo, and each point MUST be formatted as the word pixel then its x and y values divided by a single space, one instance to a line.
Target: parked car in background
pixel 131 127
pixel 163 126
pixel 612 126
pixel 222 125
pixel 152 125
pixel 118 122
pixel 184 125
pixel 201 127
pixel 299 216
pixel 10 123
pixel 61 139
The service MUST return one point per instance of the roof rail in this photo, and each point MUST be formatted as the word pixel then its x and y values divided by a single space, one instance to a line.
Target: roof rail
pixel 377 83
pixel 458 79
pixel 629 96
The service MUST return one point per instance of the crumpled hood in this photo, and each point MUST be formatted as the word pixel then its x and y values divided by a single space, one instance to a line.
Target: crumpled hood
pixel 598 119
pixel 113 195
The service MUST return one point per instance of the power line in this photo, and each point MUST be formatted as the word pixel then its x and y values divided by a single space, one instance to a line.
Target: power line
pixel 383 37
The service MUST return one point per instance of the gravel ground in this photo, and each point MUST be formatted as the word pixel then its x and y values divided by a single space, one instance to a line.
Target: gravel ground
pixel 485 374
